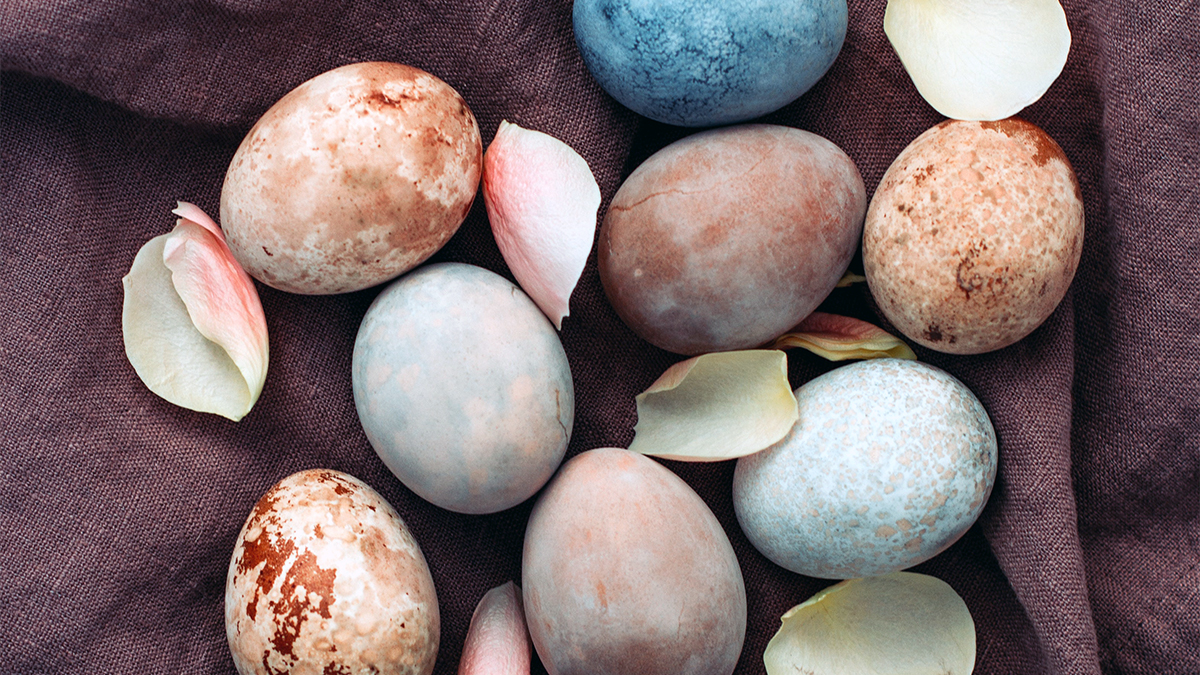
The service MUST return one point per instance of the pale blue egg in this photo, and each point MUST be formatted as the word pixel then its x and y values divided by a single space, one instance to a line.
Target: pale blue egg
pixel 463 388
pixel 701 63
pixel 890 463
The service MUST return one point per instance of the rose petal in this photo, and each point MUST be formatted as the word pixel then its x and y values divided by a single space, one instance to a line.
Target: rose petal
pixel 979 59
pixel 542 200
pixel 497 642
pixel 849 279
pixel 716 406
pixel 887 625
pixel 839 338
pixel 193 325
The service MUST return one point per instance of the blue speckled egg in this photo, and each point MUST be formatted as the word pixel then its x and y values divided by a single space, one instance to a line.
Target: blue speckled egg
pixel 699 63
pixel 463 388
pixel 890 463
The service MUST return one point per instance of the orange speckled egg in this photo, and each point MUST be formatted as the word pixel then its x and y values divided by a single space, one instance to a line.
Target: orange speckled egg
pixel 351 179
pixel 326 578
pixel 973 235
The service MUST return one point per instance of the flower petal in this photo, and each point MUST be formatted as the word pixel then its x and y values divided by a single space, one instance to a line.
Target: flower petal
pixel 716 406
pixel 849 279
pixel 542 200
pixel 979 59
pixel 497 642
pixel 193 325
pixel 887 625
pixel 839 338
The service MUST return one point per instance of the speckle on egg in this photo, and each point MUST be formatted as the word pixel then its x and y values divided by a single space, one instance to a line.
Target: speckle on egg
pixel 326 578
pixel 890 463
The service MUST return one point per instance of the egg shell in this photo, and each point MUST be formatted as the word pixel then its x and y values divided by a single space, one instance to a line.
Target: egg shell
pixel 463 388
pixel 891 462
pixel 626 570
pixel 974 235
pixel 704 63
pixel 726 239
pixel 326 578
pixel 351 179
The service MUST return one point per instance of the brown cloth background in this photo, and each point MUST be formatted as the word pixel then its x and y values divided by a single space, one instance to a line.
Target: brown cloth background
pixel 118 511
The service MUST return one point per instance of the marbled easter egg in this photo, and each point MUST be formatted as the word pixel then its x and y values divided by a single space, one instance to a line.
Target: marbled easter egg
pixel 463 388
pixel 974 235
pixel 626 570
pixel 326 578
pixel 726 239
pixel 697 64
pixel 890 463
pixel 351 179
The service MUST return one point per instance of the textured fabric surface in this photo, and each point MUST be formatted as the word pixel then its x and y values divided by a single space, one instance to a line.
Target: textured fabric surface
pixel 118 511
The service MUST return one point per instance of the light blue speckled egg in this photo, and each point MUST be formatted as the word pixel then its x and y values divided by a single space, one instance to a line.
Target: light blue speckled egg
pixel 890 463
pixel 463 388
pixel 699 63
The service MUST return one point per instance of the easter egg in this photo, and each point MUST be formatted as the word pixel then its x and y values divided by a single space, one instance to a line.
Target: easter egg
pixel 626 570
pixel 730 237
pixel 463 388
pixel 351 179
pixel 974 235
pixel 326 578
pixel 708 63
pixel 889 464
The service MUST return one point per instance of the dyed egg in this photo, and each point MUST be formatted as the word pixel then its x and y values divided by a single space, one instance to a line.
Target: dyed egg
pixel 351 179
pixel 326 578
pixel 726 239
pixel 705 64
pixel 626 570
pixel 890 463
pixel 463 388
pixel 974 235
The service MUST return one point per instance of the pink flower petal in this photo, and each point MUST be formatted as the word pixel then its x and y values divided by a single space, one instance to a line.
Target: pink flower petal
pixel 542 200
pixel 193 325
pixel 839 338
pixel 497 642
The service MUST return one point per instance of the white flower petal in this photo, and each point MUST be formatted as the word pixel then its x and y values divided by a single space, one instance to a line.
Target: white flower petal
pixel 979 59
pixel 716 406
pixel 897 624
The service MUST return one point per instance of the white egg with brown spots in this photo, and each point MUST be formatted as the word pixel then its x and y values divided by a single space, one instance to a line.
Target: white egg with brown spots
pixel 890 463
pixel 352 178
pixel 974 235
pixel 325 578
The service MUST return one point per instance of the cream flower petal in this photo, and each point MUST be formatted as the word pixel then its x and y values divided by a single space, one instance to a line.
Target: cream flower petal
pixel 839 338
pixel 979 59
pixel 542 200
pixel 193 325
pixel 497 642
pixel 899 623
pixel 716 406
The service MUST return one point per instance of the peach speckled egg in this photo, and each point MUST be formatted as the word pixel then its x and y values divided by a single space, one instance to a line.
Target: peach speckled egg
pixel 974 235
pixel 892 460
pixel 626 570
pixel 326 578
pixel 351 179
pixel 463 388
pixel 726 239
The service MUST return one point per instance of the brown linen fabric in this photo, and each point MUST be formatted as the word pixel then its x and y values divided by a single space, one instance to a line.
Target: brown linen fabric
pixel 118 511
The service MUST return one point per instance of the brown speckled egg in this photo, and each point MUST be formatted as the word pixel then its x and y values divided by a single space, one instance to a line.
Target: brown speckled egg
pixel 973 235
pixel 726 239
pixel 351 179
pixel 326 578
pixel 892 460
